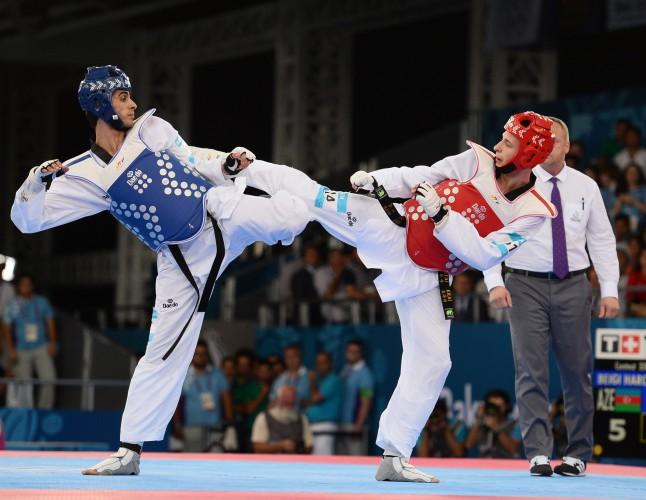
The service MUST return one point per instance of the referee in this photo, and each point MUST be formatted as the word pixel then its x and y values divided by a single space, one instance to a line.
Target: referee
pixel 551 296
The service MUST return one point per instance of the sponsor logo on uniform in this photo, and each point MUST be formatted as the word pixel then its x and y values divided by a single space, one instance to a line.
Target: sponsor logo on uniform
pixel 169 304
pixel 351 220
pixel 618 344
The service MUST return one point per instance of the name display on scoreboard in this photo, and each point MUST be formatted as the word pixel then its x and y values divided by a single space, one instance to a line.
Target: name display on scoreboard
pixel 619 381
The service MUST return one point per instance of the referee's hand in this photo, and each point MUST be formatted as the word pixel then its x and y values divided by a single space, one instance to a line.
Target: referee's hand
pixel 499 297
pixel 609 308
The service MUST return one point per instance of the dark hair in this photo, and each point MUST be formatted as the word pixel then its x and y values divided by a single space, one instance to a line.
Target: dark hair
pixel 294 347
pixel 245 353
pixel 356 342
pixel 622 217
pixel 622 186
pixel 23 276
pixel 441 405
pixel 202 343
pixel 262 361
pixel 326 354
pixel 634 129
pixel 500 393
pixel 225 359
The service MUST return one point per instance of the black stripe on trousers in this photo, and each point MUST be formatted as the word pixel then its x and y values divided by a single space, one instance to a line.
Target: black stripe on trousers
pixel 203 299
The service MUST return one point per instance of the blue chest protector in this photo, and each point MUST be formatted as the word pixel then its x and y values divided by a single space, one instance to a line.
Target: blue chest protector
pixel 153 194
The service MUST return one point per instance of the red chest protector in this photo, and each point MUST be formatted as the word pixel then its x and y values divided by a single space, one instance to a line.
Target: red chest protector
pixel 480 201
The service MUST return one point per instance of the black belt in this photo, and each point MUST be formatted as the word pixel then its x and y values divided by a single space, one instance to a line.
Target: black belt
pixel 446 294
pixel 202 299
pixel 545 276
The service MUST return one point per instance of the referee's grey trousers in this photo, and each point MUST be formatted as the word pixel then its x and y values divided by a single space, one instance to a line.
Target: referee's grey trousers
pixel 556 311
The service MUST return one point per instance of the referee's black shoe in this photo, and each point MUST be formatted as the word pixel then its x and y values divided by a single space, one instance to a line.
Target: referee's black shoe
pixel 540 466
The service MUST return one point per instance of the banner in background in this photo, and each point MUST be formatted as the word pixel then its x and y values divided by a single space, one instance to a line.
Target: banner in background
pixel 31 429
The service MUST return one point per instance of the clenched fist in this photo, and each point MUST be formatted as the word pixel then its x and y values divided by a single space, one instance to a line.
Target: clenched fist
pixel 237 160
pixel 362 180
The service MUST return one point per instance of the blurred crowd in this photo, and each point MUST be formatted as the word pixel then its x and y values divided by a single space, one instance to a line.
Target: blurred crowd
pixel 276 405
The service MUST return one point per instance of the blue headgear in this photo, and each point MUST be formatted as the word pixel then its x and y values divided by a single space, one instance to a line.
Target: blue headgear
pixel 95 92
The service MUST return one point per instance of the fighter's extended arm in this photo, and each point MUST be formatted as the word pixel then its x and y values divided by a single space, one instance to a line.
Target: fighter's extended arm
pixel 399 181
pixel 158 135
pixel 36 209
pixel 461 238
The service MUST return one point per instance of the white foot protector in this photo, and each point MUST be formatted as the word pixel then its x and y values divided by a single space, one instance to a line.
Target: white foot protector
pixel 398 469
pixel 124 462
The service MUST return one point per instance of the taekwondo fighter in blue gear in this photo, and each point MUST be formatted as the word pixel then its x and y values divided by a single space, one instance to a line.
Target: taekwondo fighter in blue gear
pixel 162 190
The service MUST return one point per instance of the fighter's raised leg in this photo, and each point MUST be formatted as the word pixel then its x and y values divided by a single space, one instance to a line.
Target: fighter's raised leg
pixel 355 219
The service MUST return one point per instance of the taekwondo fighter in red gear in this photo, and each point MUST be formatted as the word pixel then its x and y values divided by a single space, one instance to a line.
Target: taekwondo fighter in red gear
pixel 471 209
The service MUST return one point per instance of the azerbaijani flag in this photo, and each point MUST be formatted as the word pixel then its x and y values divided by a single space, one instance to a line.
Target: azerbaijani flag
pixel 628 400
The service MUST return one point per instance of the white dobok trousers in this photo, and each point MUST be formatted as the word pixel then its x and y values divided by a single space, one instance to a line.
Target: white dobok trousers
pixel 360 221
pixel 156 384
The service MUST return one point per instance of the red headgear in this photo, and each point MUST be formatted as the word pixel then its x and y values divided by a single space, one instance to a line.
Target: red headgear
pixel 534 132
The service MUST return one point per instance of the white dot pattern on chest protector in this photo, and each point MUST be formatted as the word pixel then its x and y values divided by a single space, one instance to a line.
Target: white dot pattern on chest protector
pixel 175 187
pixel 138 212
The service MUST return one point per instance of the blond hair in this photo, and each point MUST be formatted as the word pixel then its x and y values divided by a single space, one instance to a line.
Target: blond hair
pixel 563 125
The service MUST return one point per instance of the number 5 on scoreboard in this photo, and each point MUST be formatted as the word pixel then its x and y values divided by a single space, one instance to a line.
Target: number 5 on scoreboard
pixel 617 430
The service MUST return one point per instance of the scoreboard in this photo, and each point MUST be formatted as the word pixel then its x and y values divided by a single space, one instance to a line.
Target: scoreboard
pixel 619 381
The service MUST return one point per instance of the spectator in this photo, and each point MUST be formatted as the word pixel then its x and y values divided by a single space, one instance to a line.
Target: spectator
pixel 277 365
pixel 324 406
pixel 633 152
pixel 615 144
pixel 469 307
pixel 441 437
pixel 624 267
pixel 608 188
pixel 634 245
pixel 302 286
pixel 495 434
pixel 636 299
pixel 622 231
pixel 282 428
pixel 336 281
pixel 592 171
pixel 207 405
pixel 358 395
pixel 631 196
pixel 249 398
pixel 265 376
pixel 7 295
pixel 228 366
pixel 295 375
pixel 29 319
pixel 575 156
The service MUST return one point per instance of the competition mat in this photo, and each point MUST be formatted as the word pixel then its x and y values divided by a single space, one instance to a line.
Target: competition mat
pixel 56 475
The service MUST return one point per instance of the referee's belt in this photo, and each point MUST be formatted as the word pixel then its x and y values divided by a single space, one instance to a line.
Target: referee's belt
pixel 545 276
